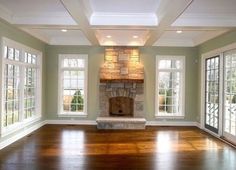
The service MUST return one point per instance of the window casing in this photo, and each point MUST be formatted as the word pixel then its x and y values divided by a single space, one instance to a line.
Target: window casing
pixel 170 75
pixel 21 86
pixel 72 89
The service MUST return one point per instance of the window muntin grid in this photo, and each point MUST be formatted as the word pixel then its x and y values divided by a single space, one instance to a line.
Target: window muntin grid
pixel 170 83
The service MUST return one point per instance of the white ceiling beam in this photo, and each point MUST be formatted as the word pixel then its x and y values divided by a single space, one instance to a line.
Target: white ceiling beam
pixel 77 11
pixel 43 26
pixel 167 13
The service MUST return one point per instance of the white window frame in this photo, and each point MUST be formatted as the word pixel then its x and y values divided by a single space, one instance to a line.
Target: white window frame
pixel 181 113
pixel 60 87
pixel 22 122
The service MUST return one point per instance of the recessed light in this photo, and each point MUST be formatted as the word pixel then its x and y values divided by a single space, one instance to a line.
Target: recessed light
pixel 179 31
pixel 135 36
pixel 63 30
pixel 108 36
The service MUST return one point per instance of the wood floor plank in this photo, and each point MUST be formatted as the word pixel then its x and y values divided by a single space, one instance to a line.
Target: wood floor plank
pixel 84 147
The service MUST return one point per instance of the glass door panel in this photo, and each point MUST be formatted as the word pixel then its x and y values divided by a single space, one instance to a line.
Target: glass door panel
pixel 230 96
pixel 212 93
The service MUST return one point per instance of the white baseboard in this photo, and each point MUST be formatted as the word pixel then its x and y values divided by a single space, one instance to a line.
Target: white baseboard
pixel 171 123
pixel 199 125
pixel 72 122
pixel 21 134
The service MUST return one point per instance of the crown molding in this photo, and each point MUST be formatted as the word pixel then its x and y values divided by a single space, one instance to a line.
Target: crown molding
pixel 207 36
pixel 174 42
pixel 5 14
pixel 206 20
pixel 36 35
pixel 43 20
pixel 124 19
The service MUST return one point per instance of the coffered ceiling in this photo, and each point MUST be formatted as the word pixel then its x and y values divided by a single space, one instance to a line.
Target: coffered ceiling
pixel 123 22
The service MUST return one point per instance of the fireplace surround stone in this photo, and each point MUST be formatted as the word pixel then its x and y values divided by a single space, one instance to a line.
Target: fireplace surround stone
pixel 122 82
pixel 130 90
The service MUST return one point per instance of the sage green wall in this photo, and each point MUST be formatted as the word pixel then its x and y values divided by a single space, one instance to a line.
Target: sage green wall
pixel 13 33
pixel 210 45
pixel 95 60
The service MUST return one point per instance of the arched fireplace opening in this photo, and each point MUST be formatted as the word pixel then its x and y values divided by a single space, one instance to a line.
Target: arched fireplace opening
pixel 121 106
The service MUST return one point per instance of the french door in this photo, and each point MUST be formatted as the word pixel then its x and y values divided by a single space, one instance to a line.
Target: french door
pixel 230 96
pixel 220 94
pixel 212 69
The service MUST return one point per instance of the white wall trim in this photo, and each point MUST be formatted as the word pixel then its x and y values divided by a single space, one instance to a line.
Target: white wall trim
pixel 171 123
pixel 72 122
pixel 21 134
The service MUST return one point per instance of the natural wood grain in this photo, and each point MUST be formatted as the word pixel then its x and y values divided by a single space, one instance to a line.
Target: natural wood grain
pixel 85 147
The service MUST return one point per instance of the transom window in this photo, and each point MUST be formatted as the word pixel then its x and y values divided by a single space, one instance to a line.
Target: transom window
pixel 72 84
pixel 170 86
pixel 21 67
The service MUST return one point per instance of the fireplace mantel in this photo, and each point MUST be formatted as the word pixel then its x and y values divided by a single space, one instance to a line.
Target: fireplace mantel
pixel 121 80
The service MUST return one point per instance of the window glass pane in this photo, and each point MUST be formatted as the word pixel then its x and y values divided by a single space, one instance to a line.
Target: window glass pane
pixel 5 52
pixel 230 93
pixel 169 64
pixel 29 92
pixel 73 85
pixel 10 53
pixel 69 62
pixel 17 55
pixel 169 83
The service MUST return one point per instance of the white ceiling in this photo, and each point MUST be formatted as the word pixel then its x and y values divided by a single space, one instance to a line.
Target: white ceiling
pixel 153 22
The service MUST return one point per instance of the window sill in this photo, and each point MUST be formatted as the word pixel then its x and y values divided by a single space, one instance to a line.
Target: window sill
pixel 19 126
pixel 72 115
pixel 169 117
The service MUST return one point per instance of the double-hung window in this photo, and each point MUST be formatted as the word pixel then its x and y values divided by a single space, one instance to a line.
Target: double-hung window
pixel 170 71
pixel 72 85
pixel 21 85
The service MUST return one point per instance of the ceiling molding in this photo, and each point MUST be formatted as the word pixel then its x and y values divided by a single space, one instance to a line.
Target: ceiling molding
pixel 173 9
pixel 198 28
pixel 43 26
pixel 124 19
pixel 207 36
pixel 68 41
pixel 173 42
pixel 5 14
pixel 36 35
pixel 206 20
pixel 76 10
pixel 43 20
pixel 123 27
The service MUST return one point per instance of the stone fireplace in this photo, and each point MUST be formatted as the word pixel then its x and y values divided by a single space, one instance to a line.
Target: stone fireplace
pixel 121 90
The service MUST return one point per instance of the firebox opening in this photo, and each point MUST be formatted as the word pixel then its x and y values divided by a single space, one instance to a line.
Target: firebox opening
pixel 121 106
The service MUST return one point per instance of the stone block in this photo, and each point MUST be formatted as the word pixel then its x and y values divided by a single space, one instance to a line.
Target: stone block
pixel 139 97
pixel 138 105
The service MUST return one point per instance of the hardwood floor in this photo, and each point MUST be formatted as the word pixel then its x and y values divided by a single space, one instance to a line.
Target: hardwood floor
pixel 84 147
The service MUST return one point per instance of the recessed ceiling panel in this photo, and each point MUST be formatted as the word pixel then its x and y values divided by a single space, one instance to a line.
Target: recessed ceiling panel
pixel 188 38
pixel 57 37
pixel 37 12
pixel 122 37
pixel 124 6
pixel 220 13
